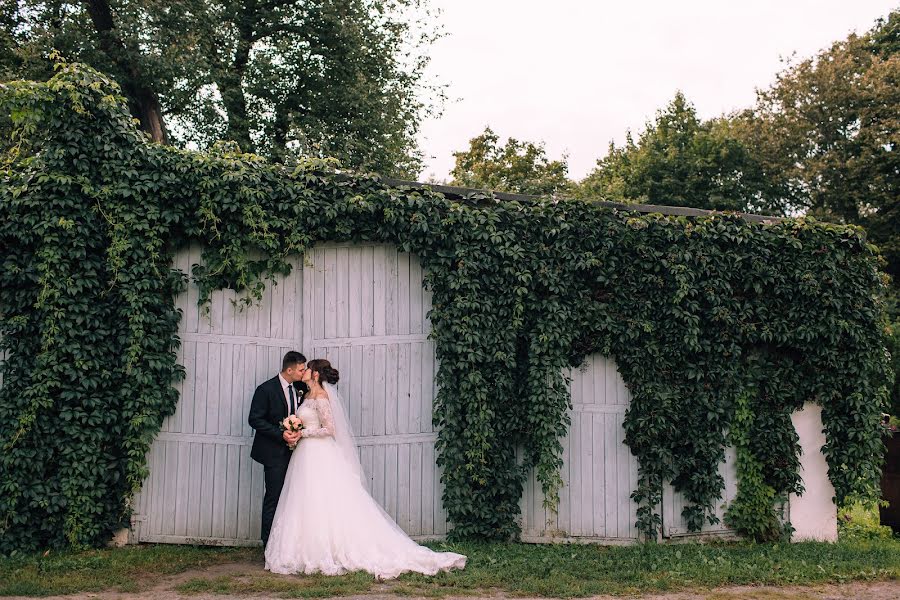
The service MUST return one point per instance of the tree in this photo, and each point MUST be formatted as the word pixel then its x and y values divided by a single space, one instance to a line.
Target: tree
pixel 678 160
pixel 826 136
pixel 516 167
pixel 93 31
pixel 281 78
pixel 608 180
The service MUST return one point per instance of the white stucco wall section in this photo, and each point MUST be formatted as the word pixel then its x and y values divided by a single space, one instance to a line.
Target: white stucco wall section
pixel 813 515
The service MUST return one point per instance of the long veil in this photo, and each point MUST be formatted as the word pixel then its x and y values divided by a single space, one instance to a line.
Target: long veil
pixel 343 433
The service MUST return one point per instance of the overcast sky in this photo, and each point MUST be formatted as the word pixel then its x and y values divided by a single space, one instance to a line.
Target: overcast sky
pixel 576 74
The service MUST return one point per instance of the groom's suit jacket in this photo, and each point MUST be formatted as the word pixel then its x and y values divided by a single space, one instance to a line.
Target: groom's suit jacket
pixel 267 409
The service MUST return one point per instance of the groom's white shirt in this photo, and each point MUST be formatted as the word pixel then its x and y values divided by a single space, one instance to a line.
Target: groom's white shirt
pixel 284 391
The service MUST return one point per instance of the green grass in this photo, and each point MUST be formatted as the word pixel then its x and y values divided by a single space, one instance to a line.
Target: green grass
pixel 127 569
pixel 569 570
pixel 312 586
pixel 514 569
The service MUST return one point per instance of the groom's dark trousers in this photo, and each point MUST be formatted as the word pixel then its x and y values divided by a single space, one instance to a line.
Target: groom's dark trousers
pixel 267 409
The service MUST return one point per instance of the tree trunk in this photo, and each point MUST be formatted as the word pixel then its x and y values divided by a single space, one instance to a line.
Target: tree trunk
pixel 143 101
pixel 278 152
pixel 231 77
pixel 235 104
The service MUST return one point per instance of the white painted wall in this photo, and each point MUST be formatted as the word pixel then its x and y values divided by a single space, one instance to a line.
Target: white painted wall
pixel 813 515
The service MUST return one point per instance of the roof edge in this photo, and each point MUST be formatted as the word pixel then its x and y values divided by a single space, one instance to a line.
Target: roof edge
pixel 461 193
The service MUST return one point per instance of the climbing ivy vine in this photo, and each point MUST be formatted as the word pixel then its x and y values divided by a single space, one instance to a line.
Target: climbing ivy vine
pixel 702 315
pixel 752 512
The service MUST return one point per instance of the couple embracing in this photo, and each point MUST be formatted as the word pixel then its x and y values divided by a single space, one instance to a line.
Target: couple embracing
pixel 317 516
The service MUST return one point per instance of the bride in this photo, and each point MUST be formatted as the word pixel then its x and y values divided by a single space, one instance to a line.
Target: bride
pixel 326 521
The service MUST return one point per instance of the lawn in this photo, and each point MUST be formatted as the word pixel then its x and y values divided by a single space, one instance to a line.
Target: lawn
pixel 129 569
pixel 514 569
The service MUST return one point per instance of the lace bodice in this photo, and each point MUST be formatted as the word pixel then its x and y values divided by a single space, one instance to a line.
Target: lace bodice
pixel 317 418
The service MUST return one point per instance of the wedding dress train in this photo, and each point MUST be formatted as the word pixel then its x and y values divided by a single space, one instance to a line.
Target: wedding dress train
pixel 327 522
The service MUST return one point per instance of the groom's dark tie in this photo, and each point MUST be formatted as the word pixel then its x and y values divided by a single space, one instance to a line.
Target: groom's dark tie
pixel 291 395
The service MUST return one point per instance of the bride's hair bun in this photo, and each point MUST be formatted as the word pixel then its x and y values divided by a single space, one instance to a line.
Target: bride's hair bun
pixel 327 373
pixel 330 375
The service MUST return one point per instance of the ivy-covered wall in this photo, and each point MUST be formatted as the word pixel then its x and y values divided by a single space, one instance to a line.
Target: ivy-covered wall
pixel 706 317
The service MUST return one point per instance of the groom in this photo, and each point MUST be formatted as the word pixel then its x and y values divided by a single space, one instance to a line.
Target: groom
pixel 274 400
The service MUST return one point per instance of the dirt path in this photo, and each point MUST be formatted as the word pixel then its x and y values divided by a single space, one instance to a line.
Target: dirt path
pixel 165 589
pixel 885 590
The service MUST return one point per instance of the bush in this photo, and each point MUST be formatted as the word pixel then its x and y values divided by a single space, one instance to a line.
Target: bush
pixel 859 521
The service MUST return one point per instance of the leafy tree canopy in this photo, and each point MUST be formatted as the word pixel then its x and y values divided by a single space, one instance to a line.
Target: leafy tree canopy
pixel 678 160
pixel 516 167
pixel 340 78
pixel 826 134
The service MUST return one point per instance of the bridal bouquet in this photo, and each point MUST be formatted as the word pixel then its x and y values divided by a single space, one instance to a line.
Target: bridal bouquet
pixel 292 423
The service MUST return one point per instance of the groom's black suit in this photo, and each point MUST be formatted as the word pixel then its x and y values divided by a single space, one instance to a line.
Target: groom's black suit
pixel 267 409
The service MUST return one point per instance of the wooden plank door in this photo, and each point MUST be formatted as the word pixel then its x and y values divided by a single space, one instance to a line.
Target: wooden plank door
pixel 203 487
pixel 674 525
pixel 366 312
pixel 599 472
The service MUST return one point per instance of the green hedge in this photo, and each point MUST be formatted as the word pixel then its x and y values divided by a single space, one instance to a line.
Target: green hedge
pixel 696 312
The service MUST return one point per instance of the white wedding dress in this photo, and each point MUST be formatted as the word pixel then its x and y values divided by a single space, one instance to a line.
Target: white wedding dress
pixel 327 522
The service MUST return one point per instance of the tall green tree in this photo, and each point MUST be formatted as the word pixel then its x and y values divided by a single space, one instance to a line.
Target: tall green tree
pixel 826 136
pixel 281 78
pixel 678 160
pixel 516 167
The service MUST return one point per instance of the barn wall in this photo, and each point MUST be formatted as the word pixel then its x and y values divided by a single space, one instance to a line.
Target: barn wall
pixel 364 308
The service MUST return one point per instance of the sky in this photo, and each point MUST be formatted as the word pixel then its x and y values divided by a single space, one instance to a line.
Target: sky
pixel 577 74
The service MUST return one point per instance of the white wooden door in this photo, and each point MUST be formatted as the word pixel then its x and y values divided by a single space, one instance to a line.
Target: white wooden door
pixel 363 308
pixel 599 472
pixel 674 525
pixel 366 312
pixel 203 487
